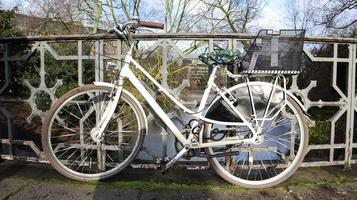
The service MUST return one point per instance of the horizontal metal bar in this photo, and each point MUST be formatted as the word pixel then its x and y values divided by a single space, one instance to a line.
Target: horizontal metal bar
pixel 188 165
pixel 88 146
pixel 151 36
pixel 181 163
pixel 31 144
pixel 326 146
pixel 24 158
pixel 322 163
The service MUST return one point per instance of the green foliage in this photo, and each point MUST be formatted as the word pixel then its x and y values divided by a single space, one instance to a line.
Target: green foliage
pixel 153 65
pixel 319 134
pixel 66 70
pixel 43 101
pixel 8 24
pixel 29 69
pixel 18 69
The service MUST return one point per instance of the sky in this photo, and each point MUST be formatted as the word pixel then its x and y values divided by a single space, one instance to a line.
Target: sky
pixel 8 4
pixel 272 15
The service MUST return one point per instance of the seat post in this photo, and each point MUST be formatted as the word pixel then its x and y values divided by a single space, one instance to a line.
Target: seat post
pixel 210 83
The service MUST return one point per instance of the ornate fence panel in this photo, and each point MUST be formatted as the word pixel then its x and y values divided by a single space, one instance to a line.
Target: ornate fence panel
pixel 35 71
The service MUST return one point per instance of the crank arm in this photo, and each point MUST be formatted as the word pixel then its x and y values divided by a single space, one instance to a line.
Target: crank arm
pixel 184 150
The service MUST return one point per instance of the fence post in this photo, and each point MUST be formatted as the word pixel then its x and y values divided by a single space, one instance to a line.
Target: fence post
pixel 351 91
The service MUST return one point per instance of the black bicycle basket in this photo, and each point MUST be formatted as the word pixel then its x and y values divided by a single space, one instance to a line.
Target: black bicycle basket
pixel 274 53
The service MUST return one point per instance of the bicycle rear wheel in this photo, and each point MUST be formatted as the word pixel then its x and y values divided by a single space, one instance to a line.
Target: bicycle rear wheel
pixel 280 153
pixel 67 141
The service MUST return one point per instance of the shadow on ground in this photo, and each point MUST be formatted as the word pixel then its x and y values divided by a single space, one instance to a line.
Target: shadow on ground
pixel 23 180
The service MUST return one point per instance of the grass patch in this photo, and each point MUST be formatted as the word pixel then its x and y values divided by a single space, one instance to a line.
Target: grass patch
pixel 140 185
pixel 301 180
pixel 157 186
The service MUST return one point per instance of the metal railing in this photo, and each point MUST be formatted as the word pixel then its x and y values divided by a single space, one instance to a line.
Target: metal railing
pixel 332 61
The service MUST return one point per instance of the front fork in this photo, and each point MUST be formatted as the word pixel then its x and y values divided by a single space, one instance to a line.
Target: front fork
pixel 97 132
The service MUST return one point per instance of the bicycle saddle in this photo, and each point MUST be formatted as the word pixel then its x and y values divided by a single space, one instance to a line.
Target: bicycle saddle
pixel 221 57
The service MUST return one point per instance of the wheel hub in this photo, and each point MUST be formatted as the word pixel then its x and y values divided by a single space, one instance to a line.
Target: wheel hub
pixel 96 136
pixel 259 138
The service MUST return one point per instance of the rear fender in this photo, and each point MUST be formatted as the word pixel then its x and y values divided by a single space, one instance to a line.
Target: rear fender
pixel 266 84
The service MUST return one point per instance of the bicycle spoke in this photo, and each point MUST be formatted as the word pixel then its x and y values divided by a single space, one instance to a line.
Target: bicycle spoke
pixel 279 142
pixel 270 158
pixel 71 143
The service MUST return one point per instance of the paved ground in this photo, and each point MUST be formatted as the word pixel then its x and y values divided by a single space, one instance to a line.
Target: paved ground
pixel 21 180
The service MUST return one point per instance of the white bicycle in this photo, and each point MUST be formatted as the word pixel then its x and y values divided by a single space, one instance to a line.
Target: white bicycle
pixel 253 134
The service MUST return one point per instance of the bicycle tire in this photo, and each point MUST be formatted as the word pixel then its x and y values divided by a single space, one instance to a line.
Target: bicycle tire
pixel 225 173
pixel 80 176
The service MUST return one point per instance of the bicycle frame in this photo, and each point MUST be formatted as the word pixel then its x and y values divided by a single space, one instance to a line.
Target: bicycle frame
pixel 126 73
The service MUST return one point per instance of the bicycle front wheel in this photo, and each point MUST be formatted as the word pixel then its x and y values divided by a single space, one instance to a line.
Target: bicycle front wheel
pixel 67 141
pixel 276 158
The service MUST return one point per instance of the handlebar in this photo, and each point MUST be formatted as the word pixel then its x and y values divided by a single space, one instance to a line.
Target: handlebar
pixel 151 24
pixel 125 30
pixel 132 25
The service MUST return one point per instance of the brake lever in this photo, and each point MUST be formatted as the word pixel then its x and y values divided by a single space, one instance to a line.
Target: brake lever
pixel 116 29
pixel 132 24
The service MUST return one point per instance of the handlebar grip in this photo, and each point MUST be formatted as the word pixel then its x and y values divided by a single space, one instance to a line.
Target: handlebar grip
pixel 151 25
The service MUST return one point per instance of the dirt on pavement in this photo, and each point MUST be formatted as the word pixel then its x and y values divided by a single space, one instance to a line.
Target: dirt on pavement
pixel 24 180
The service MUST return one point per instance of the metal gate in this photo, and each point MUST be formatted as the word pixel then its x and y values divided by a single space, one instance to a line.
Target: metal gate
pixel 332 142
